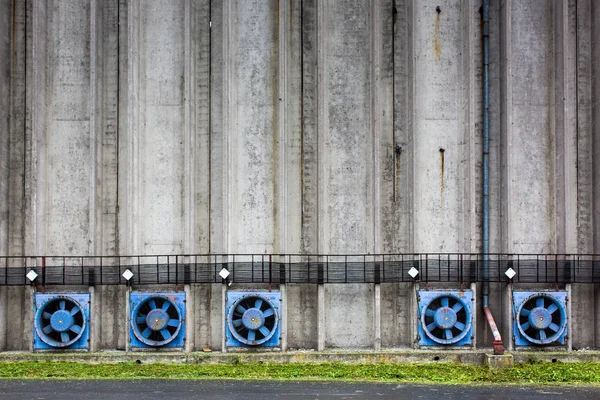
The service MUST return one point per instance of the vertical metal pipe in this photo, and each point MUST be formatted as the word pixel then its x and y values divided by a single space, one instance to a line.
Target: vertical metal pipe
pixel 498 346
pixel 486 152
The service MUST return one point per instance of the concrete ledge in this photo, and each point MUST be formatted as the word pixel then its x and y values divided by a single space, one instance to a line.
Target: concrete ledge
pixel 499 362
pixel 353 357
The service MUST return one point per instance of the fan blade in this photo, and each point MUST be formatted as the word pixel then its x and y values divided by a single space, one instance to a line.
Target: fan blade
pixel 47 329
pixel 152 304
pixel 449 334
pixel 76 329
pixel 173 322
pixel 542 334
pixel 539 302
pixel 431 327
pixel 258 303
pixel 237 323
pixel 141 319
pixel 457 307
pixel 62 304
pixel 75 310
pixel 553 307
pixel 460 326
pixel 146 333
pixel 251 335
pixel 47 315
pixel 429 312
pixel 165 334
pixel 554 327
pixel 166 305
pixel 268 313
pixel 264 331
pixel 524 312
pixel 525 326
pixel 240 309
pixel 64 337
pixel 444 302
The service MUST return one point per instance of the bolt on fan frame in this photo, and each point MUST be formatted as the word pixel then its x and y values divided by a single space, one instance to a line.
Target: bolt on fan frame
pixel 61 321
pixel 445 318
pixel 253 319
pixel 540 318
pixel 157 320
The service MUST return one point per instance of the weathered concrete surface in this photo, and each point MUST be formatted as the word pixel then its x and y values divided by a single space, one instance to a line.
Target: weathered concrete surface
pixel 5 34
pixel 208 316
pixel 302 323
pixel 113 317
pixel 583 308
pixel 349 316
pixel 397 319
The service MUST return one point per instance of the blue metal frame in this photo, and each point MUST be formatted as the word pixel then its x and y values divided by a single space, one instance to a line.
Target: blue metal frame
pixel 539 318
pixel 157 320
pixel 61 321
pixel 253 319
pixel 445 318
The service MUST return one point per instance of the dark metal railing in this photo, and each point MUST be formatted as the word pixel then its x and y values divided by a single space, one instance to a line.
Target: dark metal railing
pixel 300 268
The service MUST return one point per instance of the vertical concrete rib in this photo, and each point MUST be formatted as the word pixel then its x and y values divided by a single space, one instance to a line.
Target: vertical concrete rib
pixel 5 100
pixel 19 53
pixel 322 117
pixel 585 128
pixel 595 62
pixel 189 130
pixel 565 126
pixel 96 176
pixel 35 131
pixel 506 116
pixel 374 244
pixel 131 154
pixel 309 127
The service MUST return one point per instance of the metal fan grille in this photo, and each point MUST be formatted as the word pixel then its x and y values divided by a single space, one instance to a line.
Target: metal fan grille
pixel 60 321
pixel 156 321
pixel 446 319
pixel 252 320
pixel 541 319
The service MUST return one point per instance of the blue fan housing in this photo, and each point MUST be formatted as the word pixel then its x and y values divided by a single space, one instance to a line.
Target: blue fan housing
pixel 539 318
pixel 61 321
pixel 157 320
pixel 253 319
pixel 445 318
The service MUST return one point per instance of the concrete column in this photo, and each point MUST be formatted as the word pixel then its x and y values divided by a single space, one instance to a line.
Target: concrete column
pixel 95 323
pixel 284 317
pixel 595 61
pixel 398 225
pixel 5 105
pixel 153 158
pixel 5 46
pixel 21 30
pixel 321 317
pixel 528 127
pixel 443 104
pixel 377 317
pixel 190 325
pixel 565 53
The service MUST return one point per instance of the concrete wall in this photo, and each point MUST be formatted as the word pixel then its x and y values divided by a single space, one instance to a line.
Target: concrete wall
pixel 200 126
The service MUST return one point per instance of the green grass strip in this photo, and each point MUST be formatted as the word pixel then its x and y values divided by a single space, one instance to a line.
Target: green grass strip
pixel 446 373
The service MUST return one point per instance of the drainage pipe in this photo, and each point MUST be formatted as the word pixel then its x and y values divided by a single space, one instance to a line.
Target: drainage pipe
pixel 498 346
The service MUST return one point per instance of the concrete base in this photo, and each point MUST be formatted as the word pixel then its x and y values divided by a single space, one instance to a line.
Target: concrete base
pixel 499 362
pixel 360 357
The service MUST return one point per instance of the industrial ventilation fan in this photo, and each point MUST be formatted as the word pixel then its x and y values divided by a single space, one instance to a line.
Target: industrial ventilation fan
pixel 540 318
pixel 61 321
pixel 253 319
pixel 445 318
pixel 157 320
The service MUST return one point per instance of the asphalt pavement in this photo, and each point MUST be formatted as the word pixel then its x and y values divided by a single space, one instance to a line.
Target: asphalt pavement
pixel 238 390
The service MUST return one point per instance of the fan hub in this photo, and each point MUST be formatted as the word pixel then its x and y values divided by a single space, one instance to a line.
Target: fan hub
pixel 253 319
pixel 445 317
pixel 157 319
pixel 61 321
pixel 540 318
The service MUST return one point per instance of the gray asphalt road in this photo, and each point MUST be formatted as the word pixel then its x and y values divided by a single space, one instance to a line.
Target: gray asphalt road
pixel 238 390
